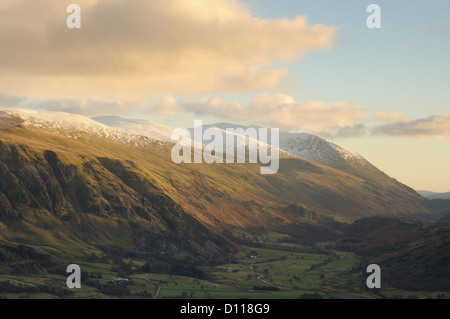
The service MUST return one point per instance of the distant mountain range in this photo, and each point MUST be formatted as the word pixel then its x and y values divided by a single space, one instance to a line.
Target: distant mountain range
pixel 315 172
pixel 304 145
pixel 433 195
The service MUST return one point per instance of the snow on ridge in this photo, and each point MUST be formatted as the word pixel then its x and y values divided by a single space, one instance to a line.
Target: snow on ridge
pixel 55 119
pixel 139 127
pixel 142 133
pixel 64 122
pixel 310 147
pixel 253 144
pixel 307 146
pixel 164 133
pixel 316 148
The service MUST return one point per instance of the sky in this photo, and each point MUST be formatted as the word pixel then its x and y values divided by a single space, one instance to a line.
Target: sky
pixel 301 66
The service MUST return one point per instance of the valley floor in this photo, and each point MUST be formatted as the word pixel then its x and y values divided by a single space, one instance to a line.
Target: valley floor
pixel 286 271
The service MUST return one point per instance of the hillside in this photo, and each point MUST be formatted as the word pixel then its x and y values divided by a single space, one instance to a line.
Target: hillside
pixel 64 189
pixel 315 149
pixel 52 198
pixel 205 190
pixel 412 255
pixel 81 185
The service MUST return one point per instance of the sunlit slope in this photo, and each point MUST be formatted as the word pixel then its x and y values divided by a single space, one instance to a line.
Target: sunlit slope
pixel 102 178
pixel 54 191
pixel 292 145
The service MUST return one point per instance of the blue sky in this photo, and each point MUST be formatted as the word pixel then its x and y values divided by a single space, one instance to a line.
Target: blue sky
pixel 404 66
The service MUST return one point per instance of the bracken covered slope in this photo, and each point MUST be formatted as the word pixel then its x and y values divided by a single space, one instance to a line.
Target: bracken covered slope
pixel 62 184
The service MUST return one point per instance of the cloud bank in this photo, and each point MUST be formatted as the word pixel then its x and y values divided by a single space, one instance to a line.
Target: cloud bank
pixel 436 127
pixel 391 117
pixel 282 111
pixel 130 48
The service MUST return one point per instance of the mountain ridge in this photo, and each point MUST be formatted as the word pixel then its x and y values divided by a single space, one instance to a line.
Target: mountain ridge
pixel 318 150
pixel 68 190
pixel 434 195
pixel 295 175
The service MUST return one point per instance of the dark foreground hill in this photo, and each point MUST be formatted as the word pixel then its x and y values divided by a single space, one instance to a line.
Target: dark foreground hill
pixel 412 255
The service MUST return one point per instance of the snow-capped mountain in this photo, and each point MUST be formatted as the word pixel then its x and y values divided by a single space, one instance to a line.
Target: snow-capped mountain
pixel 142 133
pixel 163 133
pixel 325 152
pixel 311 147
pixel 316 149
pixel 308 146
pixel 252 144
pixel 293 146
pixel 152 130
pixel 139 127
pixel 72 125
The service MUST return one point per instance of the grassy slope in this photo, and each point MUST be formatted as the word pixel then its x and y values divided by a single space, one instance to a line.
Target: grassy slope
pixel 74 195
pixel 234 195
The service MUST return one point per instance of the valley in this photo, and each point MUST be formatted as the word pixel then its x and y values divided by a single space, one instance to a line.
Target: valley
pixel 75 191
pixel 286 271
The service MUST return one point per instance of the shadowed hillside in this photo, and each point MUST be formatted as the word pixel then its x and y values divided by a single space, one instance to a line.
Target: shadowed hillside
pixel 412 255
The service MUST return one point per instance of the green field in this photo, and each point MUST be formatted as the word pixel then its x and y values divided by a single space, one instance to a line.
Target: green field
pixel 285 271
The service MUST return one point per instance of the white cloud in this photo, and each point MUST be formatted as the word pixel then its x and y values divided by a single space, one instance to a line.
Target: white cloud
pixel 391 117
pixel 87 107
pixel 357 130
pixel 282 111
pixel 131 48
pixel 436 127
pixel 214 106
pixel 166 105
